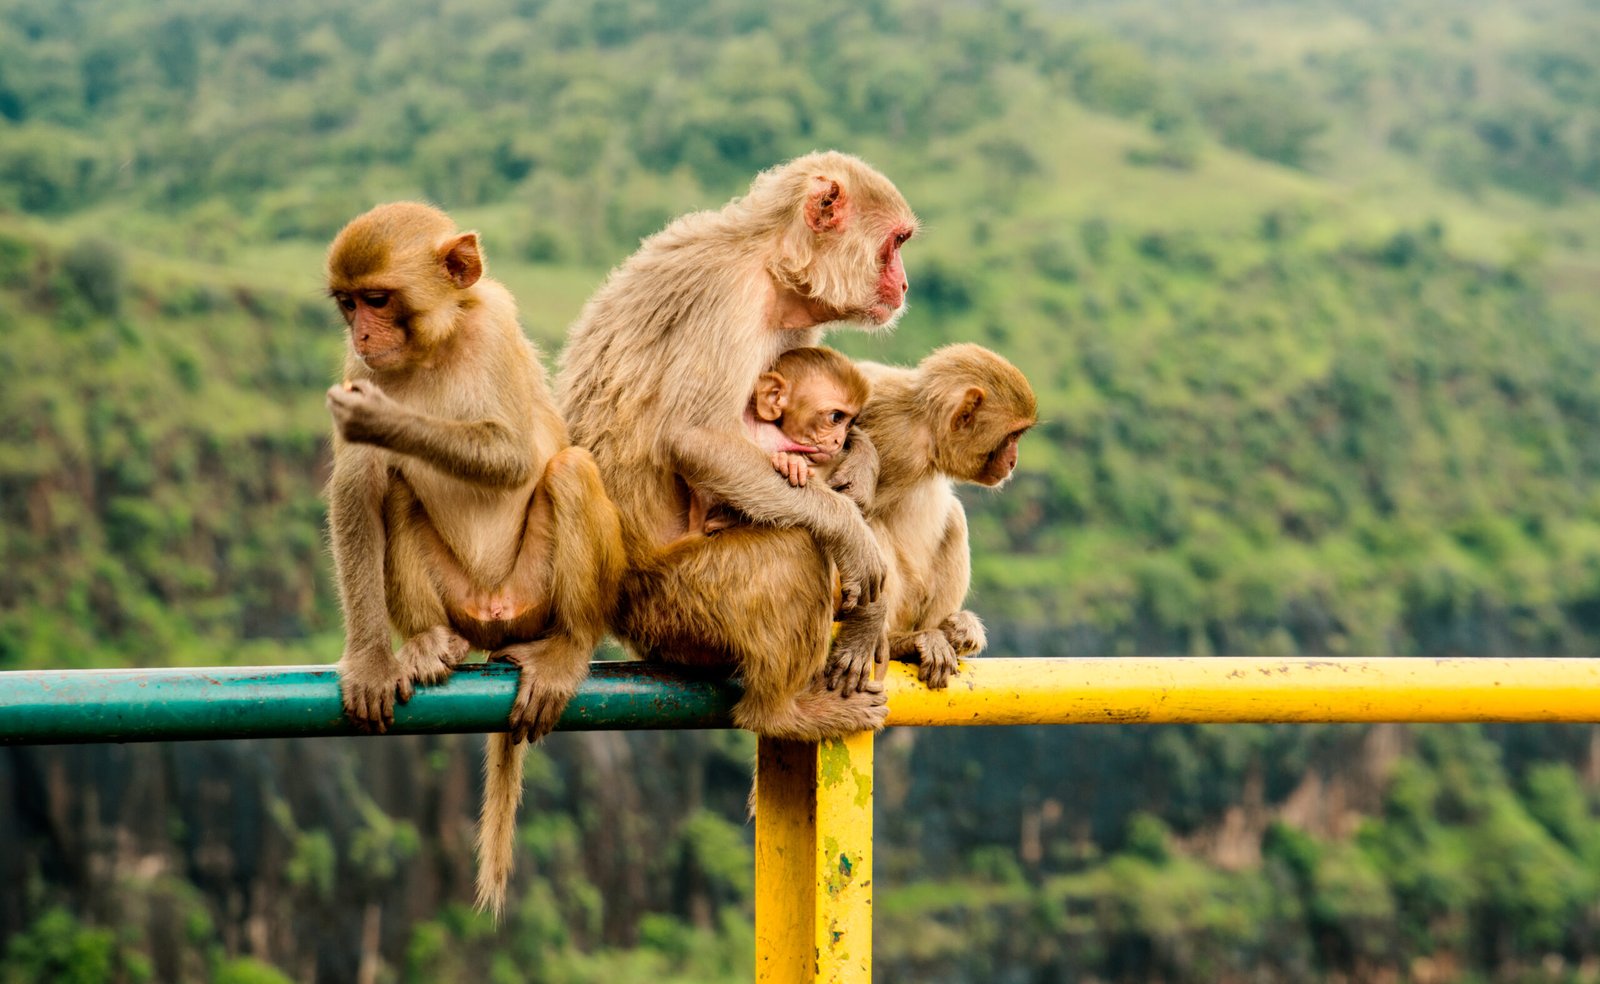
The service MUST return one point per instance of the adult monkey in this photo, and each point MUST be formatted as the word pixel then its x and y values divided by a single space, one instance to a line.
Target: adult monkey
pixel 459 514
pixel 654 381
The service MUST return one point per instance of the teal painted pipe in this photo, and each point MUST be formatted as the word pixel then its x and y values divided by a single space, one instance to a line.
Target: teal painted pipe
pixel 175 704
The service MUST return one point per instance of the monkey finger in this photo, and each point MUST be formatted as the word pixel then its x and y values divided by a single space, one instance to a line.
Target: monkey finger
pixel 405 689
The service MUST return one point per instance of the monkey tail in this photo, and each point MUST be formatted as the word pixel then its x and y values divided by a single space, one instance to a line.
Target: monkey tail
pixel 497 827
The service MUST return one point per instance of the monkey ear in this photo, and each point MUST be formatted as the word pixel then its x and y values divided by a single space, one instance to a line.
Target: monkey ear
pixel 826 207
pixel 772 396
pixel 967 410
pixel 462 261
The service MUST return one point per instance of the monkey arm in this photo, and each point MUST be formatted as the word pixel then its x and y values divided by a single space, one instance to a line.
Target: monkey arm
pixel 944 632
pixel 856 475
pixel 370 676
pixel 487 452
pixel 355 525
pixel 734 471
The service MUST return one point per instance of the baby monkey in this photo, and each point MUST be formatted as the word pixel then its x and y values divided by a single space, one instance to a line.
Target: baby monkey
pixel 801 414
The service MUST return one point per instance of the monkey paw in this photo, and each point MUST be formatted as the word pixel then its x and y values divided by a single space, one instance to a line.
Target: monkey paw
pixel 430 657
pixel 539 702
pixel 850 671
pixel 936 660
pixel 357 407
pixel 965 632
pixel 368 683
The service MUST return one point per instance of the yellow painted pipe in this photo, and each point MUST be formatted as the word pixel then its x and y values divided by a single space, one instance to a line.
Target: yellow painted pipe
pixel 1138 690
pixel 814 861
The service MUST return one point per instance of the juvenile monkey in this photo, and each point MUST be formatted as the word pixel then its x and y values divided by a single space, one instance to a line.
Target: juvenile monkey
pixel 956 417
pixel 654 380
pixel 459 515
pixel 800 414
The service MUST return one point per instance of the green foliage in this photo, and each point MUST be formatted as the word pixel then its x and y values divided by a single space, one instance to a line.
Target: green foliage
pixel 59 949
pixel 246 971
pixel 1306 294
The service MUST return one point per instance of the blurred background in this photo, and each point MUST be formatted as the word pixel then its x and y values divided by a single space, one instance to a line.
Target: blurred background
pixel 1307 291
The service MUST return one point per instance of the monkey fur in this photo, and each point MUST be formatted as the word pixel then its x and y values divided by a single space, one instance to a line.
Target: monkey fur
pixel 654 381
pixel 956 417
pixel 460 516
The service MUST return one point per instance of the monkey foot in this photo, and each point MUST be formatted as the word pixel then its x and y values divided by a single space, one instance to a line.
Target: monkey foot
pixel 547 677
pixel 965 633
pixel 430 657
pixel 936 659
pixel 818 713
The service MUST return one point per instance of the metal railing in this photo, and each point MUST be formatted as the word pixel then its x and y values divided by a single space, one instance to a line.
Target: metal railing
pixel 814 801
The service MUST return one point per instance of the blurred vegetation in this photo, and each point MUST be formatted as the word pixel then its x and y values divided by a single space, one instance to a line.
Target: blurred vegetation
pixel 1307 292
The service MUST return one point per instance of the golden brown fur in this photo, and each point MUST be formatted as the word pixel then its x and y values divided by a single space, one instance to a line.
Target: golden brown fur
pixel 655 379
pixel 956 417
pixel 459 514
pixel 801 416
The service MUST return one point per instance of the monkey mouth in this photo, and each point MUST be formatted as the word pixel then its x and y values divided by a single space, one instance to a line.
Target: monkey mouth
pixel 883 313
pixel 383 359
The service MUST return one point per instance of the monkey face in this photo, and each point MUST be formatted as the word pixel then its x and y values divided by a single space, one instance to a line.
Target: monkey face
pixel 1002 461
pixel 819 416
pixel 377 326
pixel 892 281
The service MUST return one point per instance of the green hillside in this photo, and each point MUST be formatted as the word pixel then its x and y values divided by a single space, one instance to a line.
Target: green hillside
pixel 1307 292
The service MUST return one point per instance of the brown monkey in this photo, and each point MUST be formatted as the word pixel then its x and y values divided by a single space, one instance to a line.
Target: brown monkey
pixel 654 381
pixel 956 417
pixel 800 414
pixel 459 514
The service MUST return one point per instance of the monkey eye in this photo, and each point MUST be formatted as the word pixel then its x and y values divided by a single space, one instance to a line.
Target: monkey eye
pixel 345 301
pixel 900 239
pixel 375 299
pixel 838 417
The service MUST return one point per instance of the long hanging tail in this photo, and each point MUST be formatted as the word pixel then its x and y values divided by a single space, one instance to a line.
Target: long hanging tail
pixel 586 561
pixel 497 827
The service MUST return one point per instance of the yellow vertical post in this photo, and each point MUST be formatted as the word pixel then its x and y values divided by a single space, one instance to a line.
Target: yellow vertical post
pixel 814 861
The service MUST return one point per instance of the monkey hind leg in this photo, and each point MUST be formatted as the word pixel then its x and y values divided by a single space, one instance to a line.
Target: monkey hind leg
pixel 814 713
pixel 762 600
pixel 587 558
pixel 497 826
pixel 756 598
pixel 548 673
pixel 430 657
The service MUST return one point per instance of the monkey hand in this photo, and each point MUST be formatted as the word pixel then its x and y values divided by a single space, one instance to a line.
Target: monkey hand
pixel 856 475
pixel 793 467
pixel 369 681
pixel 861 567
pixel 853 667
pixel 359 408
pixel 936 659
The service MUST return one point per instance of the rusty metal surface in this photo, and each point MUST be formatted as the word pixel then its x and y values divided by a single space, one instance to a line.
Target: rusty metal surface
pixel 303 701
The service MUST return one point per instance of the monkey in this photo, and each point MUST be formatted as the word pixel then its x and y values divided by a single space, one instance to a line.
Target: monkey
pixel 460 515
pixel 800 414
pixel 654 381
pixel 957 417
